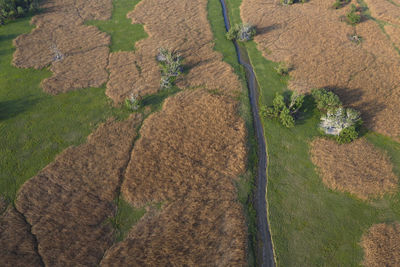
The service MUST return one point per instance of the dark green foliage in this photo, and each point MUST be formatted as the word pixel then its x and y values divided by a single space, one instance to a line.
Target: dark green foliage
pixel 354 16
pixel 326 100
pixel 291 2
pixel 284 108
pixel 11 9
pixel 133 102
pixel 241 32
pixel 347 135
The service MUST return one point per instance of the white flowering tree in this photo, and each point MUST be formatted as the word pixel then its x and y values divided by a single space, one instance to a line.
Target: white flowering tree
pixel 335 121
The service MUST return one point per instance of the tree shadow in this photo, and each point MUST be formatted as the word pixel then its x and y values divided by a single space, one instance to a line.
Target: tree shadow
pixel 7 37
pixel 11 108
pixel 262 30
pixel 307 110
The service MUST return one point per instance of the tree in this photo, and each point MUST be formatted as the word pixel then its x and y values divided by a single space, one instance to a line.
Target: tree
pixel 335 121
pixel 241 32
pixel 285 109
pixel 171 67
pixel 325 100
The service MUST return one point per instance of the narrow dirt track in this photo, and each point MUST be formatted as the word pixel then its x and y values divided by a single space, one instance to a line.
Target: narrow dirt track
pixel 265 253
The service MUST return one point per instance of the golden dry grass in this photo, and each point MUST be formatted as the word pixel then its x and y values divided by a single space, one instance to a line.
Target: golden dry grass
pixel 16 242
pixel 188 156
pixel 316 43
pixel 381 245
pixel 384 10
pixel 176 25
pixel 358 168
pixel 394 32
pixel 69 201
pixel 60 29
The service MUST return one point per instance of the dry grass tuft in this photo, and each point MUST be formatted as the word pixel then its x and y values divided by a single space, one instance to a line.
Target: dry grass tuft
pixel 358 168
pixel 381 245
pixel 176 26
pixel 16 242
pixel 366 76
pixel 69 201
pixel 188 156
pixel 77 54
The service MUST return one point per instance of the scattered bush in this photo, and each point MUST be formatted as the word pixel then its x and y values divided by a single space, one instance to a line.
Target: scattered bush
pixel 133 102
pixel 340 3
pixel 335 121
pixel 11 9
pixel 241 32
pixel 284 108
pixel 291 2
pixel 347 135
pixel 282 69
pixel 354 16
pixel 357 39
pixel 325 100
pixel 171 67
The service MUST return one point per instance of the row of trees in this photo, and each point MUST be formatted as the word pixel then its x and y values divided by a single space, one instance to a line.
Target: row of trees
pixel 11 9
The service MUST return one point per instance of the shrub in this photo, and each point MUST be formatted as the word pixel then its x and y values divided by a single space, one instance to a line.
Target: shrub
pixel 241 32
pixel 282 69
pixel 133 102
pixel 291 2
pixel 347 135
pixel 354 16
pixel 284 109
pixel 335 121
pixel 325 100
pixel 171 67
pixel 340 3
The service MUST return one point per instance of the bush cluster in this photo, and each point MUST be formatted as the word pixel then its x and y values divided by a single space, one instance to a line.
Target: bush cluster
pixel 171 67
pixel 340 3
pixel 282 69
pixel 336 120
pixel 354 15
pixel 284 108
pixel 291 2
pixel 133 102
pixel 10 9
pixel 241 32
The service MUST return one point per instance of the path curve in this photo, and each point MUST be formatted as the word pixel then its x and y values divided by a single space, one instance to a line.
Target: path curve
pixel 265 253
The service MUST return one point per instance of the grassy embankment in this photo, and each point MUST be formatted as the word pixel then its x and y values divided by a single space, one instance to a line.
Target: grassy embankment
pixel 35 126
pixel 246 183
pixel 311 225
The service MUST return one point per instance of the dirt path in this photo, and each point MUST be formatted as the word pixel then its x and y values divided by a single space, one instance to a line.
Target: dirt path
pixel 265 253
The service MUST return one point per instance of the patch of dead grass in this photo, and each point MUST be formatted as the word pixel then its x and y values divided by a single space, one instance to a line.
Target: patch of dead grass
pixel 358 168
pixel 384 10
pixel 77 54
pixel 16 242
pixel 316 43
pixel 188 156
pixel 69 201
pixel 381 245
pixel 182 26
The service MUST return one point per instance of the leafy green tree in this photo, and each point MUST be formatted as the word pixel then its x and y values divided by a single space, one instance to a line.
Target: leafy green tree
pixel 284 109
pixel 171 67
pixel 347 135
pixel 325 100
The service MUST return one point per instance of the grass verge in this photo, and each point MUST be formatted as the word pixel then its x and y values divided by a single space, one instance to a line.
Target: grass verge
pixel 310 224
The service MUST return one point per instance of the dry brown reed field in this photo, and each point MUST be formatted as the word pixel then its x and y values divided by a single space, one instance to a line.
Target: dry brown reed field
pixel 16 241
pixel 77 54
pixel 178 26
pixel 69 201
pixel 313 39
pixel 382 245
pixel 358 168
pixel 188 157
